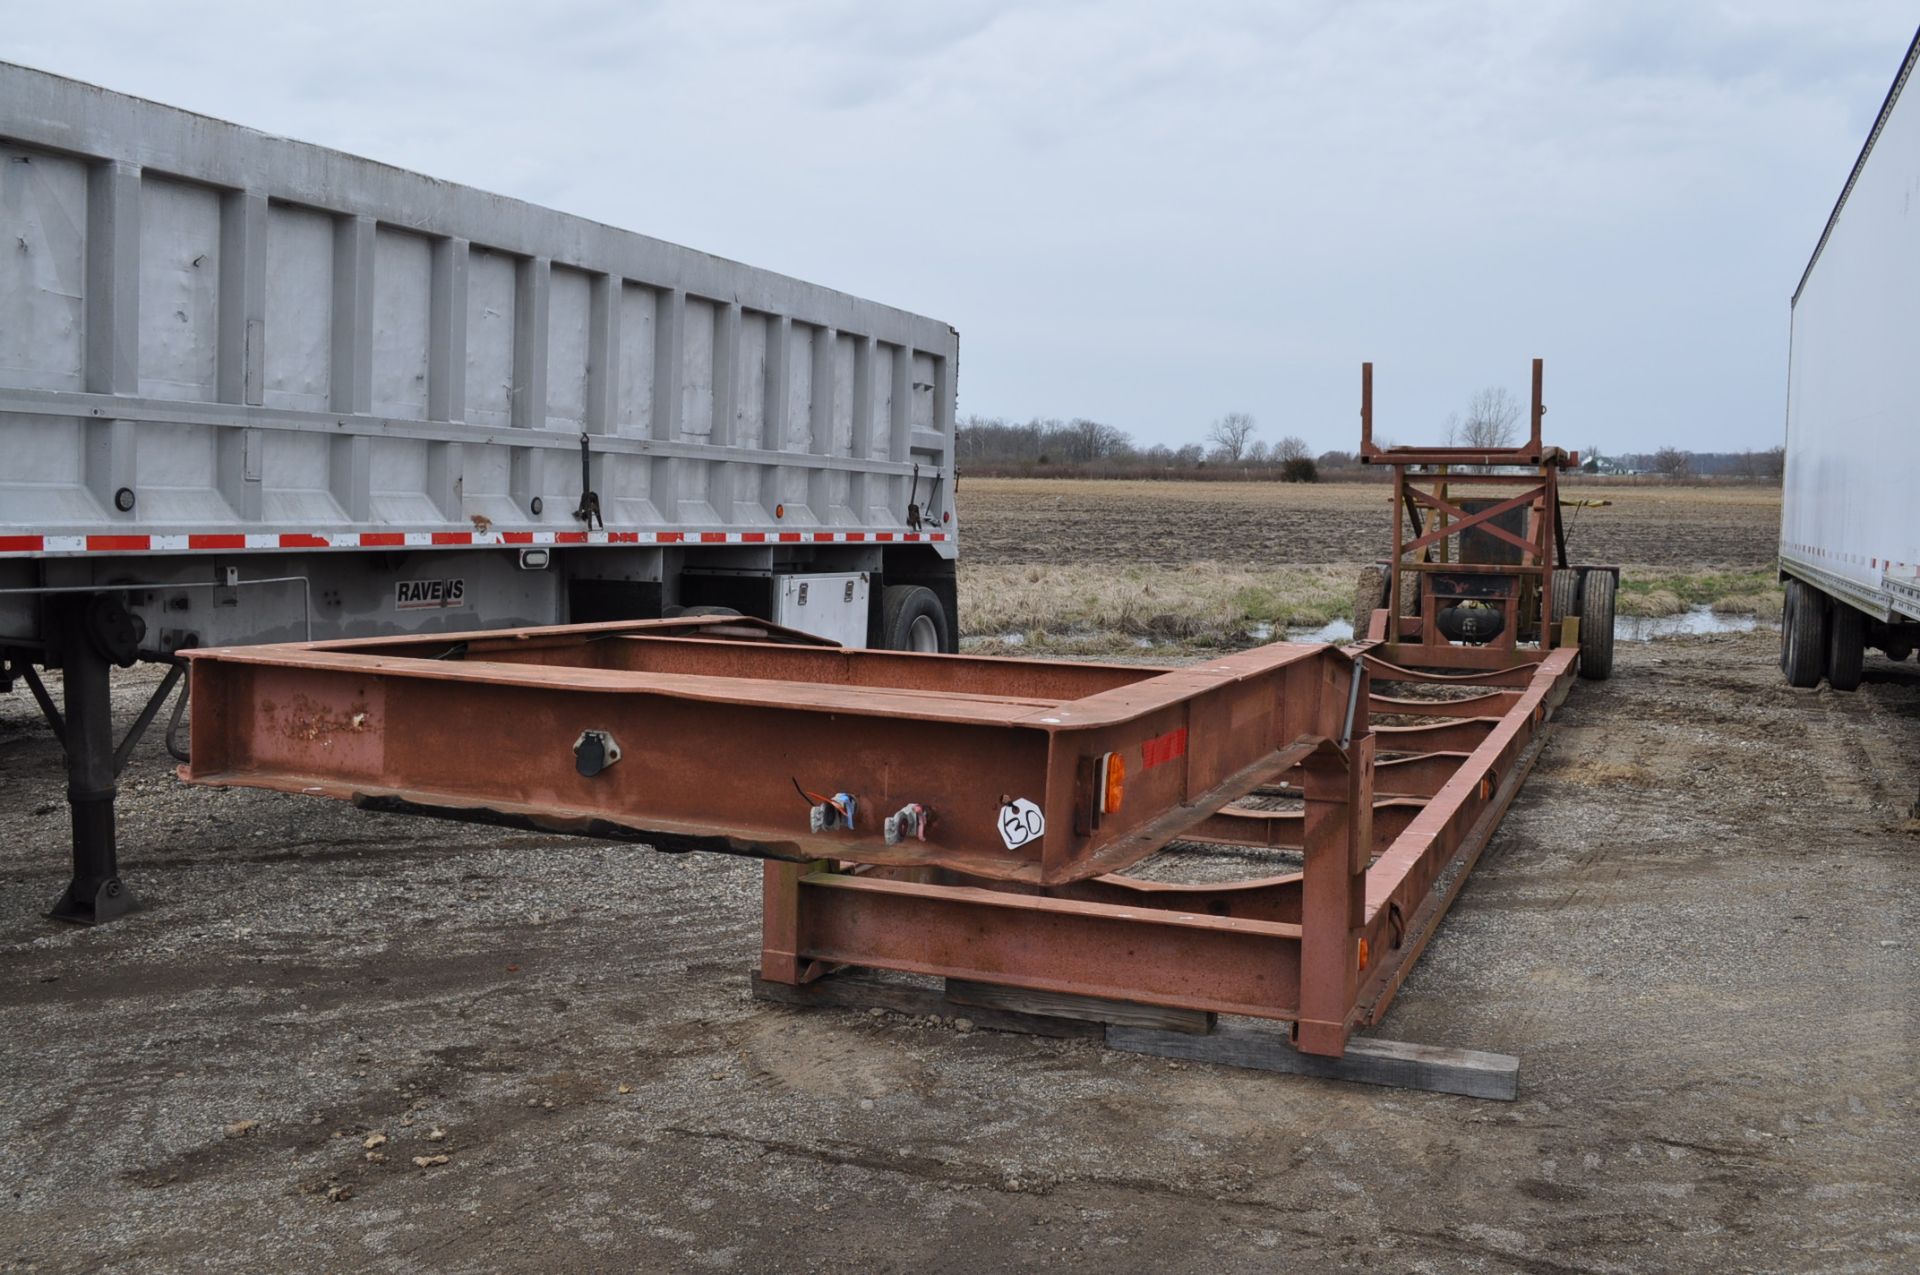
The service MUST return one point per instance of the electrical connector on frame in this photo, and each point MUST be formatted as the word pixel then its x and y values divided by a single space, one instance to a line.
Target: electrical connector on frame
pixel 911 820
pixel 836 813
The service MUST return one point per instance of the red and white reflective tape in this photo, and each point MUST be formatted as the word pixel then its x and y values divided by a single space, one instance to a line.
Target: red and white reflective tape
pixel 237 542
pixel 1858 559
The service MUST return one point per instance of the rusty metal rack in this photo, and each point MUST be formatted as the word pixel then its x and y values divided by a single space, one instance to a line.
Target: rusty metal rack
pixel 986 821
pixel 1479 569
pixel 966 817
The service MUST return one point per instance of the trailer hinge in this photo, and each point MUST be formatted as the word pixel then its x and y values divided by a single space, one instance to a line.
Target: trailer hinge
pixel 589 510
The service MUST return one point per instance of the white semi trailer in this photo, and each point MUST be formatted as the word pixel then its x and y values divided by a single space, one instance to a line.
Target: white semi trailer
pixel 253 390
pixel 1849 531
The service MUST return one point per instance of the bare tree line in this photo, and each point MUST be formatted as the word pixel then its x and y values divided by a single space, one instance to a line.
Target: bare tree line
pixel 1490 422
pixel 1232 440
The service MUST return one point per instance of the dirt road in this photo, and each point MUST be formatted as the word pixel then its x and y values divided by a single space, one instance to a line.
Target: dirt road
pixel 1696 928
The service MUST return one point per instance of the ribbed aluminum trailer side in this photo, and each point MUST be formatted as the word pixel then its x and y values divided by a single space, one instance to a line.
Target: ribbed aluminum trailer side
pixel 1849 529
pixel 255 390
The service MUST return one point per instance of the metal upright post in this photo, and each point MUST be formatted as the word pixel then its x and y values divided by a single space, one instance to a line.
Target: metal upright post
pixel 781 922
pixel 1339 846
pixel 96 893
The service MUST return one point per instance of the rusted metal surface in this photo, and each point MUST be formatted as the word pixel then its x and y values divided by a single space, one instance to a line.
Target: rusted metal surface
pixel 716 720
pixel 1394 759
pixel 720 730
pixel 1324 947
pixel 1478 528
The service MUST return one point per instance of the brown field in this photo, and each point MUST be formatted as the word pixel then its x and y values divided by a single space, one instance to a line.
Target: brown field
pixel 1173 524
pixel 1100 565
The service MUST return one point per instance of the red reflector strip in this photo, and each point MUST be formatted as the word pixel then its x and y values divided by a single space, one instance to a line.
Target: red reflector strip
pixel 227 541
pixel 1162 749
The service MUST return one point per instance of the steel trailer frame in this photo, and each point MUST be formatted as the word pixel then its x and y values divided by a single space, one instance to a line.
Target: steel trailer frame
pixel 716 722
pixel 1499 553
pixel 976 819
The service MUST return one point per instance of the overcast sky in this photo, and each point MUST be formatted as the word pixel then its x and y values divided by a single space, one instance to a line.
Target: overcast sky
pixel 1146 213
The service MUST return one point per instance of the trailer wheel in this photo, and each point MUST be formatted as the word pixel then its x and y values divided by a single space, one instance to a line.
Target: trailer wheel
pixel 1846 646
pixel 1565 599
pixel 1369 595
pixel 1803 635
pixel 1596 626
pixel 912 619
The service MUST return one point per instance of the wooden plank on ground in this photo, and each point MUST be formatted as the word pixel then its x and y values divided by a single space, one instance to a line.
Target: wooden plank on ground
pixel 1369 1062
pixel 1091 1009
pixel 856 989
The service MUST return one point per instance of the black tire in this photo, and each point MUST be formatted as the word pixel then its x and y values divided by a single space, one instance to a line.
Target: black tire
pixel 1565 600
pixel 1369 595
pixel 1596 626
pixel 912 619
pixel 708 611
pixel 1846 646
pixel 1786 625
pixel 1803 633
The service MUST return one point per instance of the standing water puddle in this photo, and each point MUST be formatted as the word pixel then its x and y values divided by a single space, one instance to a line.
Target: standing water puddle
pixel 1627 628
pixel 1644 628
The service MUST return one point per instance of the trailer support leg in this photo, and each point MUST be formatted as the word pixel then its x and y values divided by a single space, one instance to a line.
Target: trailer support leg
pixel 780 923
pixel 1339 843
pixel 96 894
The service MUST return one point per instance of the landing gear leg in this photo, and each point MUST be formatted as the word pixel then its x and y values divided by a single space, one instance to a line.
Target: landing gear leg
pixel 96 894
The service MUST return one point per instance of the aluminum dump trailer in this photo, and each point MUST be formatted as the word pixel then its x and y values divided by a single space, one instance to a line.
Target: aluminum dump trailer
pixel 255 390
pixel 1849 530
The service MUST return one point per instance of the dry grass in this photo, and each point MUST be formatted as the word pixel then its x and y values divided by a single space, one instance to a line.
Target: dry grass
pixel 1092 608
pixel 1652 591
pixel 1092 565
pixel 1205 604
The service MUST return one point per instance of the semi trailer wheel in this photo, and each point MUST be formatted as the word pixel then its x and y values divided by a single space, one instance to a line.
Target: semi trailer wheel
pixel 1803 635
pixel 1846 646
pixel 1596 626
pixel 1565 599
pixel 912 619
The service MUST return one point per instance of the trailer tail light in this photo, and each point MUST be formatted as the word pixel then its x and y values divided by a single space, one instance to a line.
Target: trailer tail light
pixel 1113 782
pixel 1103 786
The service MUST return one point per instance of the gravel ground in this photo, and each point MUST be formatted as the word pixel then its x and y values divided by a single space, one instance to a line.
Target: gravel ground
pixel 1695 928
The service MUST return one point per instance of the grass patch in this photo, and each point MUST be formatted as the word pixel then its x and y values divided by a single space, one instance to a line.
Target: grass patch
pixel 1094 609
pixel 1657 591
pixel 1203 604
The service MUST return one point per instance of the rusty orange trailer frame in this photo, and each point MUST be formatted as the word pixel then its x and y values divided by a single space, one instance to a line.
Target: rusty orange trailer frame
pixel 1039 783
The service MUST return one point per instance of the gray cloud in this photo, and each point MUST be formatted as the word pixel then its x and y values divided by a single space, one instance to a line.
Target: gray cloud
pixel 1148 213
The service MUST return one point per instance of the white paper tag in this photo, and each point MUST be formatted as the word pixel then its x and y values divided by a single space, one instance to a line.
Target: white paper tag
pixel 1021 822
